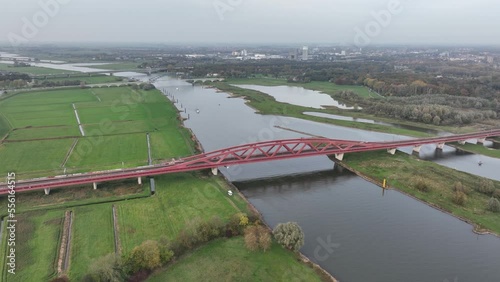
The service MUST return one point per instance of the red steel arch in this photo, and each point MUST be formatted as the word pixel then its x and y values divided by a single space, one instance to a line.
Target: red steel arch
pixel 242 154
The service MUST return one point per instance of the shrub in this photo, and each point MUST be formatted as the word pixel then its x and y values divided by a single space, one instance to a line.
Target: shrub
pixel 289 235
pixel 422 185
pixel 494 205
pixel 234 227
pixel 251 238
pixel 486 187
pixel 496 193
pixel 106 268
pixel 458 186
pixel 146 256
pixel 166 253
pixel 459 198
pixel 257 237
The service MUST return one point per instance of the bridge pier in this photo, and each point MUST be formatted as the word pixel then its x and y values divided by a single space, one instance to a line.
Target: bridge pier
pixel 95 185
pixel 440 146
pixel 47 191
pixel 416 149
pixel 392 151
pixel 139 180
pixel 481 141
pixel 215 171
pixel 340 156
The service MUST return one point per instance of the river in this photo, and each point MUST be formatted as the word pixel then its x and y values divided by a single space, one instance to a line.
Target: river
pixel 373 237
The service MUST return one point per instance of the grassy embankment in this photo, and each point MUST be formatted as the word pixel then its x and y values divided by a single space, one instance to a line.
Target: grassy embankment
pixel 266 104
pixel 403 172
pixel 332 89
pixel 113 125
pixel 479 149
pixel 32 70
pixel 223 260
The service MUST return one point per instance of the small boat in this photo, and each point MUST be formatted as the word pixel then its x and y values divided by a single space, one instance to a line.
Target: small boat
pixel 197 111
pixel 480 163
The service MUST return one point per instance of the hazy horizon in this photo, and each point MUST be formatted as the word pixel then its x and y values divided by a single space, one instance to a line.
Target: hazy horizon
pixel 370 22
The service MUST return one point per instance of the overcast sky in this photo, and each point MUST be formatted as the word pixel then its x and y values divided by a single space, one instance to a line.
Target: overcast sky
pixel 257 21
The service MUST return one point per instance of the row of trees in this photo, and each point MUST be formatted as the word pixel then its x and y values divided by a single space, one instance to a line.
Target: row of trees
pixel 151 254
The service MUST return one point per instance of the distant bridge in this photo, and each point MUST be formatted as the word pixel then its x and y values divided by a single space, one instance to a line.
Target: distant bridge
pixel 244 154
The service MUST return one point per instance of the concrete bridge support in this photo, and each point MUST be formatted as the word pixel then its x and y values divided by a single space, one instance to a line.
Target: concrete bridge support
pixel 440 146
pixel 416 149
pixel 47 191
pixel 95 185
pixel 215 171
pixel 139 180
pixel 481 141
pixel 391 151
pixel 339 157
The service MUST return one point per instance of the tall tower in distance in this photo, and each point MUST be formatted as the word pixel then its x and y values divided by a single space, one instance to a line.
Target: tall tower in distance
pixel 305 53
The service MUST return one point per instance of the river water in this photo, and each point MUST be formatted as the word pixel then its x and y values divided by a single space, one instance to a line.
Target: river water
pixel 352 230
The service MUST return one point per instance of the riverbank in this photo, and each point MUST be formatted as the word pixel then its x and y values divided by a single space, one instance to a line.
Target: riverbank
pixel 332 89
pixel 405 173
pixel 321 272
pixel 267 105
pixel 477 149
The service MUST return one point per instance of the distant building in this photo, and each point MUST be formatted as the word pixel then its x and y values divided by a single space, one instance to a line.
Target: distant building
pixel 490 59
pixel 293 55
pixel 305 53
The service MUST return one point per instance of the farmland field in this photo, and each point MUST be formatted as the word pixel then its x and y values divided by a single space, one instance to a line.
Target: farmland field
pixel 115 121
pixel 31 70
pixel 36 256
pixel 93 237
pixel 180 198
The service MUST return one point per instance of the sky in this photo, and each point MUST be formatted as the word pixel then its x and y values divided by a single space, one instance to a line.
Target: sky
pixel 351 22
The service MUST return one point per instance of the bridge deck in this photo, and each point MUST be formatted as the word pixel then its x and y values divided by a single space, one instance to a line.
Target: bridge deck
pixel 243 154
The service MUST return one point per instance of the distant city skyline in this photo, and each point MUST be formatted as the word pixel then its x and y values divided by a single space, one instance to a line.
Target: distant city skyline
pixel 356 22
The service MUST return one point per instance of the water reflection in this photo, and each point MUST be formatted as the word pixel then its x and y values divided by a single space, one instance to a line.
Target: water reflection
pixel 298 96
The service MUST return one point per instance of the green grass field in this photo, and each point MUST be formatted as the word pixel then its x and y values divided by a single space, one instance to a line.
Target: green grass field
pixel 32 70
pixel 479 149
pixel 31 159
pixel 89 246
pixel 37 243
pixel 402 170
pixel 180 198
pixel 115 121
pixel 229 260
pixel 44 132
pixel 85 78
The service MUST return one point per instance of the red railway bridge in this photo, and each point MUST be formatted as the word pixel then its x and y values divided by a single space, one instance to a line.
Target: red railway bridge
pixel 243 154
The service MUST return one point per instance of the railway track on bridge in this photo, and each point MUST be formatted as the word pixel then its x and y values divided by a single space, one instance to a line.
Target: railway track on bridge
pixel 243 154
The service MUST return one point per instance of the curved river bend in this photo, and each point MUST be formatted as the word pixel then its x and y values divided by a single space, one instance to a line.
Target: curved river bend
pixel 352 229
